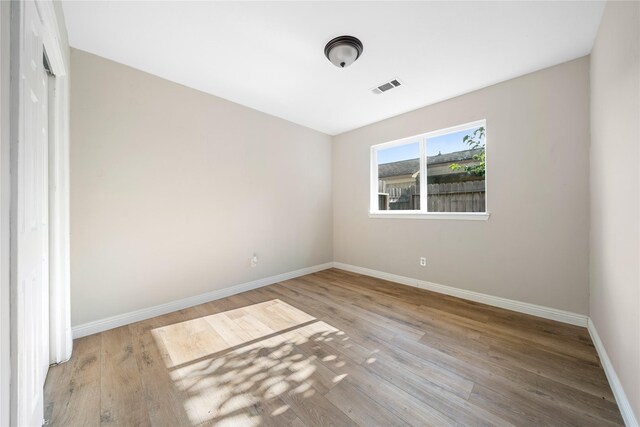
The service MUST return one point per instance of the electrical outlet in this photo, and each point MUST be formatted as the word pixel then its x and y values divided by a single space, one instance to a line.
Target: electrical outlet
pixel 423 261
pixel 254 260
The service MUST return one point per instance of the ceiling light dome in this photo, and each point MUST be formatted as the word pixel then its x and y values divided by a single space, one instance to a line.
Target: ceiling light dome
pixel 343 51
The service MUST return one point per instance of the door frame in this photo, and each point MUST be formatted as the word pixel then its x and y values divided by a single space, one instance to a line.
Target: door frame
pixel 60 337
pixel 10 121
pixel 5 195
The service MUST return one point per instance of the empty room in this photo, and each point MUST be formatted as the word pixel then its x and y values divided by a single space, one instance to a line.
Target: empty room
pixel 319 213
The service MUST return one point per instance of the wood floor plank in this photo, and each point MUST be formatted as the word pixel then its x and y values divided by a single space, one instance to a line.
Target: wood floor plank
pixel 443 401
pixel 503 378
pixel 315 410
pixel 334 348
pixel 75 396
pixel 121 392
pixel 360 408
pixel 272 413
pixel 162 395
pixel 338 316
pixel 298 423
pixel 555 336
pixel 513 327
pixel 520 410
pixel 395 399
pixel 320 291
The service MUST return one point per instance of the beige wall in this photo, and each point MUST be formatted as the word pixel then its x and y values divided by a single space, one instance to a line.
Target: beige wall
pixel 173 190
pixel 534 248
pixel 615 191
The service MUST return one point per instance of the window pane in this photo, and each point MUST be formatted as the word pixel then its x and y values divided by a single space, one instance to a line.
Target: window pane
pixel 399 177
pixel 456 172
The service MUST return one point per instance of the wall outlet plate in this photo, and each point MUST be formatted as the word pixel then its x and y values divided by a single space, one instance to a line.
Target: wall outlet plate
pixel 423 261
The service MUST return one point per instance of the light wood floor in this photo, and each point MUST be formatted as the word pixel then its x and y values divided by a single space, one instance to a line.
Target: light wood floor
pixel 334 348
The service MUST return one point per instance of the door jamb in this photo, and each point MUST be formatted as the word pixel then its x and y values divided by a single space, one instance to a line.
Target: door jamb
pixel 60 336
pixel 60 319
pixel 5 197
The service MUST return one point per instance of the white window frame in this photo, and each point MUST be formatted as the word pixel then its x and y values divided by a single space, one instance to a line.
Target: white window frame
pixel 374 212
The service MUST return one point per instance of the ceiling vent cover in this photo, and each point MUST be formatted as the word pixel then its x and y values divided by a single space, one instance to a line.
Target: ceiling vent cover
pixel 386 86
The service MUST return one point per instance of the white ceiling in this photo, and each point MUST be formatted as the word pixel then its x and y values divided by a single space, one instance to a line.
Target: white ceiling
pixel 269 55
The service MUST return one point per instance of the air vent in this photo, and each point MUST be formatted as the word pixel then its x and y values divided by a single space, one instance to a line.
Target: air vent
pixel 384 87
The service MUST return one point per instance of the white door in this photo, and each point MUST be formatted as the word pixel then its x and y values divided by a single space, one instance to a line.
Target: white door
pixel 31 209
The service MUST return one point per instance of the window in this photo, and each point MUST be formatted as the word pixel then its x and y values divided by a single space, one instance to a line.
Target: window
pixel 439 174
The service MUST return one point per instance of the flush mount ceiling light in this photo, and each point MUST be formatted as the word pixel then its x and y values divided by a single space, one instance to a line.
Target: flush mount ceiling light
pixel 343 51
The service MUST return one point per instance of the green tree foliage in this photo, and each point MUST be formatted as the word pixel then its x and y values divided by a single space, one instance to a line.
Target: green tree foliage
pixel 475 141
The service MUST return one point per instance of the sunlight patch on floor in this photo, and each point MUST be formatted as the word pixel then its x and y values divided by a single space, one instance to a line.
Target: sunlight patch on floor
pixel 221 331
pixel 244 364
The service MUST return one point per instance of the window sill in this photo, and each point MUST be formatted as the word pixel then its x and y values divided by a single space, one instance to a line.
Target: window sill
pixel 465 216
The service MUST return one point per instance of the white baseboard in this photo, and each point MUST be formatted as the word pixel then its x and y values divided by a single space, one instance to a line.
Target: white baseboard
pixel 158 310
pixel 624 405
pixel 147 313
pixel 520 307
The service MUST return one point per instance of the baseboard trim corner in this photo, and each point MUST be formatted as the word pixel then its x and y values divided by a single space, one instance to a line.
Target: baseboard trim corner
pixel 518 306
pixel 622 400
pixel 116 321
